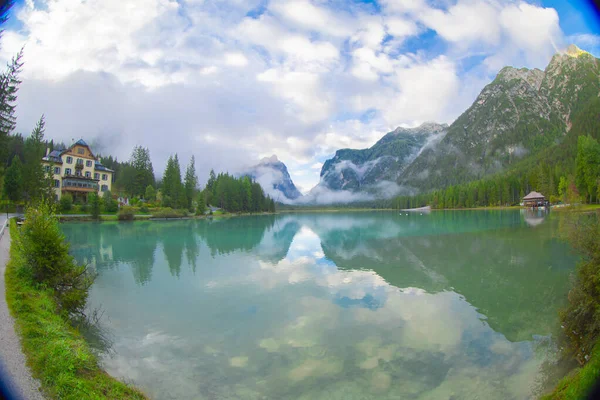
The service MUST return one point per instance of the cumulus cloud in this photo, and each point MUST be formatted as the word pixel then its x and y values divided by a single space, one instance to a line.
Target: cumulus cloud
pixel 233 81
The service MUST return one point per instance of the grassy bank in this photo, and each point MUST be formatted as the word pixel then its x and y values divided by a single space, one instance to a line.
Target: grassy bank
pixel 56 352
pixel 578 383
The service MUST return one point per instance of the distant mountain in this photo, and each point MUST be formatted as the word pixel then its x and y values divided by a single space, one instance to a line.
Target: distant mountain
pixel 274 178
pixel 363 170
pixel 519 114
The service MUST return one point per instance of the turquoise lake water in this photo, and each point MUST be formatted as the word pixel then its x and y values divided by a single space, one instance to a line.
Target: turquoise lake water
pixel 364 305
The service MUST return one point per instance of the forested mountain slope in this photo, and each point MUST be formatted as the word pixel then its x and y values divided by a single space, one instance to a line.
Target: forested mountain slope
pixel 519 114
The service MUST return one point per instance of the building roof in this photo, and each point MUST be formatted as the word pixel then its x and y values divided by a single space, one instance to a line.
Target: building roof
pixel 82 142
pixel 534 196
pixel 100 167
pixel 53 156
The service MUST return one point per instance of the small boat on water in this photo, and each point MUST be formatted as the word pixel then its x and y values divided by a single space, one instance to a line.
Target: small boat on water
pixel 426 209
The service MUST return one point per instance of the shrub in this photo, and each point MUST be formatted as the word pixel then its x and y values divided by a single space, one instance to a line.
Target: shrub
pixel 169 213
pixel 94 204
pixel 47 259
pixel 66 202
pixel 144 209
pixel 110 204
pixel 125 214
pixel 581 319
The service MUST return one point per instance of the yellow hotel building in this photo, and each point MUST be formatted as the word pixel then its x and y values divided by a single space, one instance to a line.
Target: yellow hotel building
pixel 77 171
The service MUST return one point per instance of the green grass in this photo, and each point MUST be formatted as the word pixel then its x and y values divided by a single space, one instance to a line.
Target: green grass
pixel 57 353
pixel 579 208
pixel 579 382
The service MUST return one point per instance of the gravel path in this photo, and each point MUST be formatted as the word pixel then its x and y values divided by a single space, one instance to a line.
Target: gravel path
pixel 12 360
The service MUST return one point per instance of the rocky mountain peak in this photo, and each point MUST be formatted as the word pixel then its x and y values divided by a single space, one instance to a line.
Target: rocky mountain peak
pixel 533 77
pixel 574 51
pixel 269 160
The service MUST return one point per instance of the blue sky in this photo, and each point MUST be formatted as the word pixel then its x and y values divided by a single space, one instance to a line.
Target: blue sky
pixel 234 81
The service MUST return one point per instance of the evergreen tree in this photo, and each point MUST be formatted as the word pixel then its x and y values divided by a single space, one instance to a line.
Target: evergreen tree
pixel 9 85
pixel 36 182
pixel 588 166
pixel 13 182
pixel 143 172
pixel 191 182
pixel 172 189
pixel 201 206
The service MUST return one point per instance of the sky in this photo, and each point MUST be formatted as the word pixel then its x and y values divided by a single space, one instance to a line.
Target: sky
pixel 232 81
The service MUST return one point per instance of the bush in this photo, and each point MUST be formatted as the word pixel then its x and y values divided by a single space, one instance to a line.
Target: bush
pixel 94 204
pixel 125 214
pixel 84 208
pixel 110 204
pixel 581 319
pixel 66 202
pixel 47 260
pixel 144 209
pixel 169 213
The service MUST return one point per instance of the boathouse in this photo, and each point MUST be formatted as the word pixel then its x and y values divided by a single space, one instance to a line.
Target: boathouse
pixel 535 199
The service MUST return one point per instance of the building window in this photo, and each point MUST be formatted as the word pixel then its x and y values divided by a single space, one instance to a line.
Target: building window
pixel 80 150
pixel 96 176
pixel 47 168
pixel 104 188
pixel 69 160
pixel 104 177
pixel 77 173
pixel 88 163
pixel 79 161
pixel 88 174
pixel 57 170
pixel 67 171
pixel 56 183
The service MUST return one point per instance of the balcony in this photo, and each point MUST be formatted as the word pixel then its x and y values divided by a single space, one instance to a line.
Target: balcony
pixel 77 184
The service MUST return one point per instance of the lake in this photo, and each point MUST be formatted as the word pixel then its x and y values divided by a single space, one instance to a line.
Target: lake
pixel 363 305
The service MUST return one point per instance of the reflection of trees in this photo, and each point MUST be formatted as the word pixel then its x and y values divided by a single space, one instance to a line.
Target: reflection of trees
pixel 108 244
pixel 227 235
pixel 516 278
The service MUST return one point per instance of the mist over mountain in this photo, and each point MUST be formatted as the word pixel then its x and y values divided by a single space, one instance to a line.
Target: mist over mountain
pixel 274 178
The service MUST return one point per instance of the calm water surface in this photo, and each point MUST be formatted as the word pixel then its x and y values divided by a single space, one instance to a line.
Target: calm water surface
pixel 450 305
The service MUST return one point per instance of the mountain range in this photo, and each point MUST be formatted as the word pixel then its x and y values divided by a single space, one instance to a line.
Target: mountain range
pixel 516 116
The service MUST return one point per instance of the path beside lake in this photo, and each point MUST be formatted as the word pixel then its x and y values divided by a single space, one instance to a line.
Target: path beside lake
pixel 12 359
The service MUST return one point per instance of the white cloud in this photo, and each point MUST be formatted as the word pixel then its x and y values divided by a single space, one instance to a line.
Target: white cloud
pixel 534 29
pixel 236 60
pixel 465 22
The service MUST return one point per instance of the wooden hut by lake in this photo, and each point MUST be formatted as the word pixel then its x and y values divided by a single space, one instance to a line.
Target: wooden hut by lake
pixel 535 199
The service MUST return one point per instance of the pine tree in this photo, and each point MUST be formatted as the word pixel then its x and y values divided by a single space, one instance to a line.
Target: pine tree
pixel 201 206
pixel 13 182
pixel 143 172
pixel 9 85
pixel 36 182
pixel 191 182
